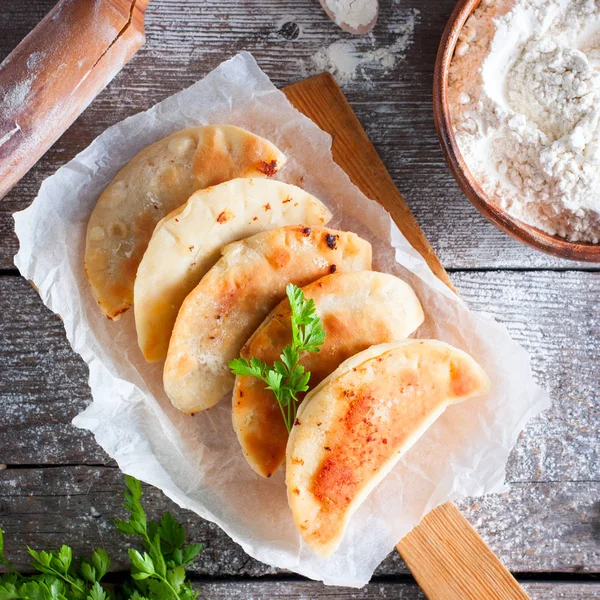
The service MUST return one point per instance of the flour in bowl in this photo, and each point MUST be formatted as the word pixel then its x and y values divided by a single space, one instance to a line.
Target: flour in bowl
pixel 524 92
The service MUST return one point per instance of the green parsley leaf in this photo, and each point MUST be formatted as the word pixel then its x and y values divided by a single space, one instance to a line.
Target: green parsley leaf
pixel 8 591
pixel 135 595
pixel 142 563
pixel 157 589
pixel 157 557
pixel 171 532
pixel 100 562
pixel 189 554
pixel 87 572
pixel 176 577
pixel 137 518
pixel 97 593
pixel 287 378
pixel 61 561
pixel 3 559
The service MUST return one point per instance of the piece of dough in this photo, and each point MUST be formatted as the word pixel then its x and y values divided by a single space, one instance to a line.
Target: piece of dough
pixel 188 242
pixel 357 310
pixel 235 296
pixel 354 427
pixel 157 181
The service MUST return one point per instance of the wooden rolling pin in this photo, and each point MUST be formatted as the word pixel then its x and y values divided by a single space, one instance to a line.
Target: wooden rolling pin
pixel 56 71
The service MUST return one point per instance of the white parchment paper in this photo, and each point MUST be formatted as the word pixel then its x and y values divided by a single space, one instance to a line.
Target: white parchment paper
pixel 197 460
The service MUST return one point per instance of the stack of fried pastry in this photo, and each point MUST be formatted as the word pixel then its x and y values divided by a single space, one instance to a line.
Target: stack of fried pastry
pixel 195 234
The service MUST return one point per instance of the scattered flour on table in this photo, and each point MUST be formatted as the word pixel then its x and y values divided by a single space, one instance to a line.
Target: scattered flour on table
pixel 346 59
pixel 524 92
pixel 354 13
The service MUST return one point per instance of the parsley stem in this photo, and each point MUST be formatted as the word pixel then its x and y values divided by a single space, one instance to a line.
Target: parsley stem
pixel 283 411
pixel 175 594
pixel 67 579
pixel 156 574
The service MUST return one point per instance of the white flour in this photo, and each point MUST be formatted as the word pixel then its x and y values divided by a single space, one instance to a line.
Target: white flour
pixel 525 102
pixel 16 96
pixel 354 13
pixel 347 60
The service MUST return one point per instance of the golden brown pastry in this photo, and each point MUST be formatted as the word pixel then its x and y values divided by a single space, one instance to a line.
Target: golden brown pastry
pixel 157 181
pixel 357 310
pixel 235 296
pixel 188 242
pixel 353 428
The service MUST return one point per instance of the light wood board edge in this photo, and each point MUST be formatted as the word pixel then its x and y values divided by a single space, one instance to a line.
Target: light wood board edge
pixel 446 555
pixel 450 561
pixel 321 99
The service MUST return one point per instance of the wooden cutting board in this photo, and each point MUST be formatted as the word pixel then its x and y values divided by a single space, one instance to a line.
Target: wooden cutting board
pixel 445 554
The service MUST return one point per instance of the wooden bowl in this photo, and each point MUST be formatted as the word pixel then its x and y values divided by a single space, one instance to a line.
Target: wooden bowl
pixel 525 233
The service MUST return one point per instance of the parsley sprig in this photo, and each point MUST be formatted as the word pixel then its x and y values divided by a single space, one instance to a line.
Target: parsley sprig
pixel 287 378
pixel 158 573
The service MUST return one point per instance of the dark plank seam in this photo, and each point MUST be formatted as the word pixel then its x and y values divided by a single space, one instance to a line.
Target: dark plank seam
pixel 43 466
pixel 24 466
pixel 593 269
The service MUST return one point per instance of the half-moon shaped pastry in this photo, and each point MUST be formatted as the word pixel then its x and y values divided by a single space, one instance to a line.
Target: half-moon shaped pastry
pixel 357 310
pixel 235 296
pixel 352 428
pixel 157 181
pixel 188 242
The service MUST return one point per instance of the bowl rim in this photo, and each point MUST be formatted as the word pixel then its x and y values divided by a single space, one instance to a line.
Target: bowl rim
pixel 517 229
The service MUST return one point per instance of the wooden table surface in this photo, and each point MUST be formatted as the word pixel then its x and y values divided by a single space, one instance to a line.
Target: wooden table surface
pixel 57 485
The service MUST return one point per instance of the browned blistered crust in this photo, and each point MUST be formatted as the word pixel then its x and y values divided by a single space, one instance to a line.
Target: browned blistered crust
pixel 268 168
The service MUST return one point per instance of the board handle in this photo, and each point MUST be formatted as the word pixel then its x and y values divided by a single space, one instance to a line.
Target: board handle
pixel 56 71
pixel 444 553
pixel 450 561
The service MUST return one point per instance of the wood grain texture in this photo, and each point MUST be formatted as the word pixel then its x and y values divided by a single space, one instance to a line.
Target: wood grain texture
pixel 441 546
pixel 47 507
pixel 374 591
pixel 187 38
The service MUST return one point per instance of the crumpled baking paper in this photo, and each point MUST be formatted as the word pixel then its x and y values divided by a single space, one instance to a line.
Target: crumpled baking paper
pixel 197 461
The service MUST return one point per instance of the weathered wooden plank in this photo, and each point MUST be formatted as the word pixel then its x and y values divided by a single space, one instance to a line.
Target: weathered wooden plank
pixel 292 590
pixel 17 19
pixel 188 38
pixel 43 384
pixel 544 527
pixel 532 304
pixel 374 591
pixel 554 315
